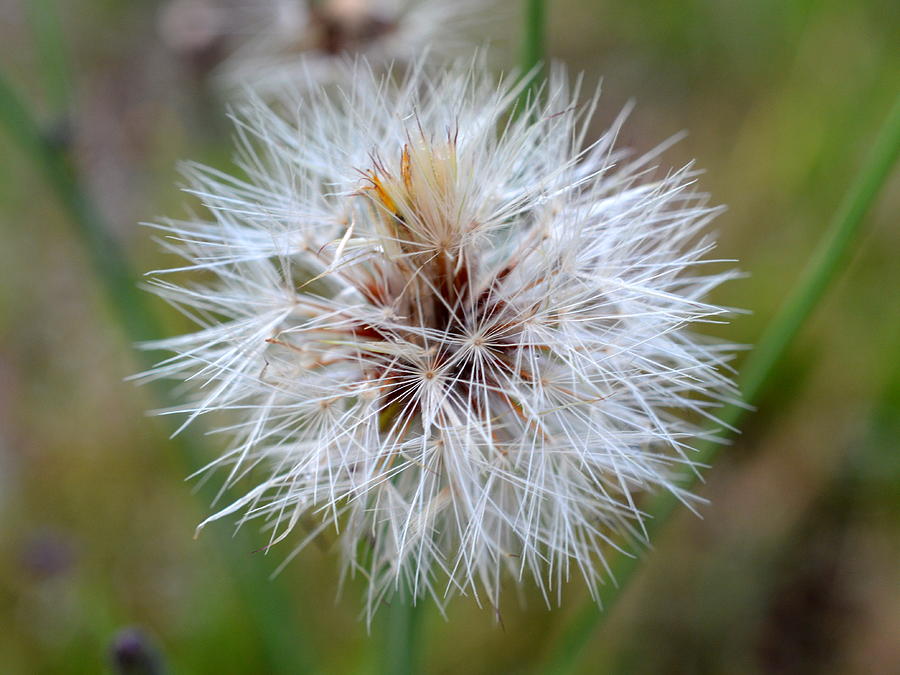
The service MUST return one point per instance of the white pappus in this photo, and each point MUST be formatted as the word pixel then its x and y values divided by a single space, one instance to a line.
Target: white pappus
pixel 448 327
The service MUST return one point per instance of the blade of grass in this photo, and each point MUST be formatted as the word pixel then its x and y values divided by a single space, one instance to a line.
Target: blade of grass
pixel 50 47
pixel 532 54
pixel 821 270
pixel 533 39
pixel 268 605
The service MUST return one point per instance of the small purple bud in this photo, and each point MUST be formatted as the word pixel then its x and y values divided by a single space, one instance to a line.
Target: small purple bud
pixel 132 653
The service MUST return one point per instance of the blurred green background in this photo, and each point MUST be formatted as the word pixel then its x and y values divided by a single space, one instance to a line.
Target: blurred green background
pixel 793 567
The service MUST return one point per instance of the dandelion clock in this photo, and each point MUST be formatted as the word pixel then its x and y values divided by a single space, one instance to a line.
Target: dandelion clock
pixel 439 320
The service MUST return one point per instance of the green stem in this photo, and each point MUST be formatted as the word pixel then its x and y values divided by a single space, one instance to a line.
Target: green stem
pixel 823 267
pixel 269 608
pixel 49 45
pixel 53 159
pixel 401 632
pixel 533 41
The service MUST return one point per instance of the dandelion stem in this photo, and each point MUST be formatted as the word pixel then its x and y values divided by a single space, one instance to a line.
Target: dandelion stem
pixel 758 369
pixel 269 607
pixel 401 637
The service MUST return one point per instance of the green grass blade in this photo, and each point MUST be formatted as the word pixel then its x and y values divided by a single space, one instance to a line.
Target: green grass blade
pixel 50 47
pixel 52 158
pixel 823 267
pixel 533 39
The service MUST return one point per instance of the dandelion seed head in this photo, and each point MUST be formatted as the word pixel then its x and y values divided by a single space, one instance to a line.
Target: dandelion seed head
pixel 456 332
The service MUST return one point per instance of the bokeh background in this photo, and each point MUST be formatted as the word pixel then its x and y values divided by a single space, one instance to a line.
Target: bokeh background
pixel 793 567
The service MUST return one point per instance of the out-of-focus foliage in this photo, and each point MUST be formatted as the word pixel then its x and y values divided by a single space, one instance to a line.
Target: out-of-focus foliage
pixel 793 567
